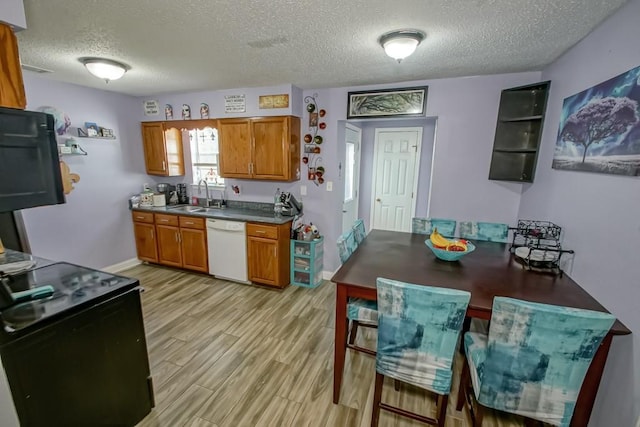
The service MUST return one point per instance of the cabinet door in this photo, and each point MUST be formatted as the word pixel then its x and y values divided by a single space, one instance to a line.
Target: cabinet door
pixel 154 149
pixel 173 149
pixel 145 241
pixel 271 148
pixel 194 249
pixel 235 148
pixel 262 257
pixel 169 249
pixel 11 85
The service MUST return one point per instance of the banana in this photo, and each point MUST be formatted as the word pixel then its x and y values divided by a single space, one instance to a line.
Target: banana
pixel 440 241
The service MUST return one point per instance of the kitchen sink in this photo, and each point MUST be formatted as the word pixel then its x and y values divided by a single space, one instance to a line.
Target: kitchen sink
pixel 189 209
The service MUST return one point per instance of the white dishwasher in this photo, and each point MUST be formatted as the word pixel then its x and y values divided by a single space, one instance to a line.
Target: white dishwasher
pixel 227 247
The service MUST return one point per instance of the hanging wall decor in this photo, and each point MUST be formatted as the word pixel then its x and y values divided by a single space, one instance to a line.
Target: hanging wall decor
pixel 313 140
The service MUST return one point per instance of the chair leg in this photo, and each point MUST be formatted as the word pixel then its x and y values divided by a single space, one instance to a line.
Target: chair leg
pixel 442 409
pixel 478 415
pixel 354 331
pixel 465 376
pixel 377 397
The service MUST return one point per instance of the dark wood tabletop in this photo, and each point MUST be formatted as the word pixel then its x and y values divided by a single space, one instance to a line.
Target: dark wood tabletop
pixel 490 271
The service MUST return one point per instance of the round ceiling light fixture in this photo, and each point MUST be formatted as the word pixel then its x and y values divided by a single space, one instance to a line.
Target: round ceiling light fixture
pixel 401 43
pixel 105 69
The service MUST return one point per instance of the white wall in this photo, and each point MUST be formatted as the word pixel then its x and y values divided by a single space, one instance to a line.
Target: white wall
pixel 93 227
pixel 599 213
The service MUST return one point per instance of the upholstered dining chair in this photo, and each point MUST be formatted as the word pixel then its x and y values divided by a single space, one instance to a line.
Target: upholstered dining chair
pixel 532 362
pixel 487 231
pixel 360 312
pixel 418 330
pixel 446 227
pixel 359 230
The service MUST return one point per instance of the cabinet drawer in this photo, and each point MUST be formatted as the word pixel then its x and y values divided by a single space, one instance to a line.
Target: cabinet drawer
pixel 167 219
pixel 191 222
pixel 142 217
pixel 262 230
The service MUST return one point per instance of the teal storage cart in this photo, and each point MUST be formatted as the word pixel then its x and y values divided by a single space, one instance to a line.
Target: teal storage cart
pixel 306 262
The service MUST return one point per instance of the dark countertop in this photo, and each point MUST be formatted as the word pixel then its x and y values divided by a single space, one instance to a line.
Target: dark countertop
pixel 237 214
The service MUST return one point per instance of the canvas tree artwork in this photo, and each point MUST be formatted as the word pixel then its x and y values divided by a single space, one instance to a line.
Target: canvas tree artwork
pixel 600 128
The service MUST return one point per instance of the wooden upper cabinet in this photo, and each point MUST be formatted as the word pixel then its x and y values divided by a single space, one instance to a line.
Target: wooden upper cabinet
pixel 162 149
pixel 11 84
pixel 235 148
pixel 260 148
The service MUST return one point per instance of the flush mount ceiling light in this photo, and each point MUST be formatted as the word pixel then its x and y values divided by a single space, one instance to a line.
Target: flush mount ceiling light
pixel 105 69
pixel 401 43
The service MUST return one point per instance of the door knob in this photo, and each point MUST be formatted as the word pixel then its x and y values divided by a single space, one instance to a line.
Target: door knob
pixel 378 200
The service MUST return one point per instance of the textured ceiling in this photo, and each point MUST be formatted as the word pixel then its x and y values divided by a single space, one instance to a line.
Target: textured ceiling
pixel 188 45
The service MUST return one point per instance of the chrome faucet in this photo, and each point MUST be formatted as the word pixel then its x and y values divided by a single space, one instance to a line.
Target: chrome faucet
pixel 206 189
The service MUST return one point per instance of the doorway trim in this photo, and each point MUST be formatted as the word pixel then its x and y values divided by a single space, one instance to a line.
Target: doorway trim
pixel 416 171
pixel 358 178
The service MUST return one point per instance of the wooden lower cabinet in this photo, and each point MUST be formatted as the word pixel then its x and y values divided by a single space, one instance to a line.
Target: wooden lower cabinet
pixel 172 240
pixel 194 249
pixel 169 248
pixel 144 231
pixel 145 241
pixel 268 253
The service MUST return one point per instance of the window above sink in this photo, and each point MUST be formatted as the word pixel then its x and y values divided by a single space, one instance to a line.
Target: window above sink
pixel 205 156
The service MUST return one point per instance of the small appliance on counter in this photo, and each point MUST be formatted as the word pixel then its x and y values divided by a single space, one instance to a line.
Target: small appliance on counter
pixel 167 190
pixel 183 198
pixel 290 206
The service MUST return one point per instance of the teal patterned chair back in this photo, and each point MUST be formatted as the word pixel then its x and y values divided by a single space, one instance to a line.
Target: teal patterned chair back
pixel 359 231
pixel 346 245
pixel 488 231
pixel 343 249
pixel 352 244
pixel 537 358
pixel 418 329
pixel 446 227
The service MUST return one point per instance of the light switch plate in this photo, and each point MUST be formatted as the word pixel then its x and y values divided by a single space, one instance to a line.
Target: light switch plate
pixel 329 185
pixel 303 190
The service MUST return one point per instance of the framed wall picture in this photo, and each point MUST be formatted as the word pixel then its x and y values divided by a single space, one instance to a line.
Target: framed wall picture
pixel 404 102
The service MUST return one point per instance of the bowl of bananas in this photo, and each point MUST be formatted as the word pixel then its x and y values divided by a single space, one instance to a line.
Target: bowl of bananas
pixel 448 249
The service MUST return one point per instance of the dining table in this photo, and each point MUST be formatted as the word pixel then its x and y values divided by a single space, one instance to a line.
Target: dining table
pixel 490 270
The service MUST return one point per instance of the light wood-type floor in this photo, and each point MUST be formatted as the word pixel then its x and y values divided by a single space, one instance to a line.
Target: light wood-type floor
pixel 227 354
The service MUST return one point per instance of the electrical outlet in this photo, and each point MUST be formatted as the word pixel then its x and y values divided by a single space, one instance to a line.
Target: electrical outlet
pixel 303 190
pixel 329 185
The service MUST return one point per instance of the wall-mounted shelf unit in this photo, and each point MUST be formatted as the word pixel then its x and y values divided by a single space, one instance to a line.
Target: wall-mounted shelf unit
pixel 518 132
pixel 96 137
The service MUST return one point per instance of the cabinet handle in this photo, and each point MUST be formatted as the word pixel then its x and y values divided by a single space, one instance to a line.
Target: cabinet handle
pixel 164 220
pixel 249 167
pixel 188 222
pixel 163 166
pixel 139 217
pixel 260 231
pixel 152 234
pixel 275 252
pixel 179 237
pixel 176 237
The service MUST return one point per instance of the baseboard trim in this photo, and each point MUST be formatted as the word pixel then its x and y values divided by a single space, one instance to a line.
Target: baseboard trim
pixel 121 266
pixel 327 275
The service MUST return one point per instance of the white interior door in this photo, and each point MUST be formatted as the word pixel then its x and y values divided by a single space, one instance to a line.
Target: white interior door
pixel 395 178
pixel 352 140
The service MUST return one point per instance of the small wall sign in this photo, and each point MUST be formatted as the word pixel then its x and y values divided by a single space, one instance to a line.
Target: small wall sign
pixel 273 101
pixel 235 104
pixel 151 108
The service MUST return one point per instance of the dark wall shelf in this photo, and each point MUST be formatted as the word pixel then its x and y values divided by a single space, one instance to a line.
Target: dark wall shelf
pixel 518 133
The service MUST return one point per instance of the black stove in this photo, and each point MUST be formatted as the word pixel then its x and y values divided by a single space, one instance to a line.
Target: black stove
pixel 71 287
